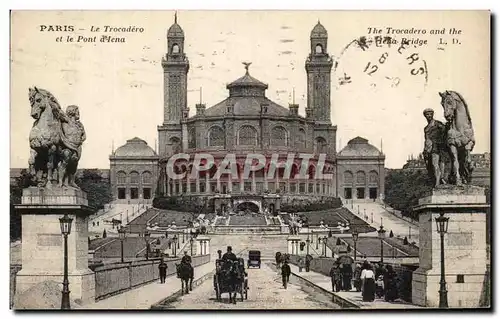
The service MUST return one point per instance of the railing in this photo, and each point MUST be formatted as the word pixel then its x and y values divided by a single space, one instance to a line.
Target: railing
pixel 116 278
pixel 404 273
pixel 223 229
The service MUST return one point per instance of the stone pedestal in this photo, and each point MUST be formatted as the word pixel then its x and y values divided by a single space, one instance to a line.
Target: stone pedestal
pixel 464 246
pixel 202 245
pixel 43 243
pixel 293 245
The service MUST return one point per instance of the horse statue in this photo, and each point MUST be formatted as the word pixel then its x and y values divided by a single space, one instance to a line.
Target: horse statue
pixel 55 140
pixel 186 273
pixel 459 136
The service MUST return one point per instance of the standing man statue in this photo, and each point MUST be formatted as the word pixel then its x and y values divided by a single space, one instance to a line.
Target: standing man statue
pixel 73 136
pixel 434 147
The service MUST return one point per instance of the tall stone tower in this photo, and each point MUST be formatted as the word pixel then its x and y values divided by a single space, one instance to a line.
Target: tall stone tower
pixel 175 69
pixel 318 68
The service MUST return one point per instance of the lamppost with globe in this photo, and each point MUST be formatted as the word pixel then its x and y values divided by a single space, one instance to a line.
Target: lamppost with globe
pixel 325 239
pixel 65 223
pixel 442 228
pixel 191 241
pixel 121 233
pixel 381 235
pixel 355 237
pixel 146 239
pixel 175 239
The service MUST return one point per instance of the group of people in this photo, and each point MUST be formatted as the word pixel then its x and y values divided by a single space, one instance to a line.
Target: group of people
pixel 341 275
pixel 379 281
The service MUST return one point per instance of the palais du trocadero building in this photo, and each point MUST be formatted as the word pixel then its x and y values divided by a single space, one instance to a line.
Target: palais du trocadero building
pixel 248 122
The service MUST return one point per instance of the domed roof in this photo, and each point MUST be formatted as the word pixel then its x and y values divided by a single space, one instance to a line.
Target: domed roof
pixel 175 31
pixel 135 147
pixel 247 80
pixel 359 147
pixel 319 31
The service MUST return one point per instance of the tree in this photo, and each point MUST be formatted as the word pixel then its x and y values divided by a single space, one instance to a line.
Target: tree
pixel 338 243
pixel 97 188
pixel 16 192
pixel 391 234
pixel 403 189
pixel 405 241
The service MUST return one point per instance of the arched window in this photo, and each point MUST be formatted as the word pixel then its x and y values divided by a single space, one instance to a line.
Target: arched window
pixel 373 177
pixel 134 177
pixel 176 144
pixel 319 48
pixel 360 178
pixel 321 145
pixel 301 139
pixel 247 135
pixel 279 136
pixel 176 48
pixel 147 177
pixel 121 177
pixel 348 178
pixel 192 138
pixel 216 136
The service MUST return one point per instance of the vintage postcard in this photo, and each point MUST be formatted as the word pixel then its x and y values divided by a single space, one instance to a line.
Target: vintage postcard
pixel 229 160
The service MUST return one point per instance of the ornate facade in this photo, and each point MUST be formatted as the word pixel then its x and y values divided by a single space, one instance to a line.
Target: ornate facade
pixel 248 122
pixel 361 172
pixel 133 172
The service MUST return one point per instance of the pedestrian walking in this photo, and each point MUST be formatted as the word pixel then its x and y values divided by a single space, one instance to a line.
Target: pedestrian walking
pixel 162 267
pixel 285 273
pixel 368 283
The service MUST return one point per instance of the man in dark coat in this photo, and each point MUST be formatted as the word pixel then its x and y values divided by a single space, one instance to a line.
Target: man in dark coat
pixel 285 273
pixel 186 259
pixel 229 255
pixel 163 271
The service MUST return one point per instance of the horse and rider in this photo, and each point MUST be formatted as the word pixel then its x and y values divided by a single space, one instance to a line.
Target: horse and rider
pixel 185 272
pixel 455 138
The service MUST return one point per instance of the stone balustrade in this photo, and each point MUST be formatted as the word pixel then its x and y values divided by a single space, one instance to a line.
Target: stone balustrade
pixel 112 279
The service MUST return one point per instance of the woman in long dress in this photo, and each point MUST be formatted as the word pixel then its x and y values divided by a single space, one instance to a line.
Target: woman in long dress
pixel 368 281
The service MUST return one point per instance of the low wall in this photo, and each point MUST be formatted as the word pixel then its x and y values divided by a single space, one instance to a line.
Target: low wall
pixel 242 229
pixel 404 273
pixel 112 279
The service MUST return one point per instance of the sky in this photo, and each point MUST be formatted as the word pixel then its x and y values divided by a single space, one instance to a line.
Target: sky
pixel 119 86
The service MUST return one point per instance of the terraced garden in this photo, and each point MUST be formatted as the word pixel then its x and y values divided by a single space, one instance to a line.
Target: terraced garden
pixel 249 220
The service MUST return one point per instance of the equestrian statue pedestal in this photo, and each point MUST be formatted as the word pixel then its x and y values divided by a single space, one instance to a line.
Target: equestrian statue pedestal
pixel 465 254
pixel 43 242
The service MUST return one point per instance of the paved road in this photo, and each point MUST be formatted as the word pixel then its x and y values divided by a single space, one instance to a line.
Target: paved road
pixel 266 292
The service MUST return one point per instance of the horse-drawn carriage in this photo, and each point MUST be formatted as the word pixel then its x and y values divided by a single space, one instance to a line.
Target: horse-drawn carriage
pixel 253 258
pixel 230 277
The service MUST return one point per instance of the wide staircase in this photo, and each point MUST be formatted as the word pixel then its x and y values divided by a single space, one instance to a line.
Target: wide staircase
pixel 114 211
pixel 267 244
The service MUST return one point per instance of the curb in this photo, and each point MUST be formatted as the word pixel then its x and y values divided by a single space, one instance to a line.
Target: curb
pixel 336 299
pixel 163 304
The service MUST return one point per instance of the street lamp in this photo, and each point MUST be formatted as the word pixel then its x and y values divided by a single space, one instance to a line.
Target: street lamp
pixel 381 235
pixel 325 239
pixel 121 233
pixel 65 223
pixel 372 216
pixel 442 228
pixel 355 236
pixel 307 243
pixel 191 240
pixel 175 245
pixel 146 239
